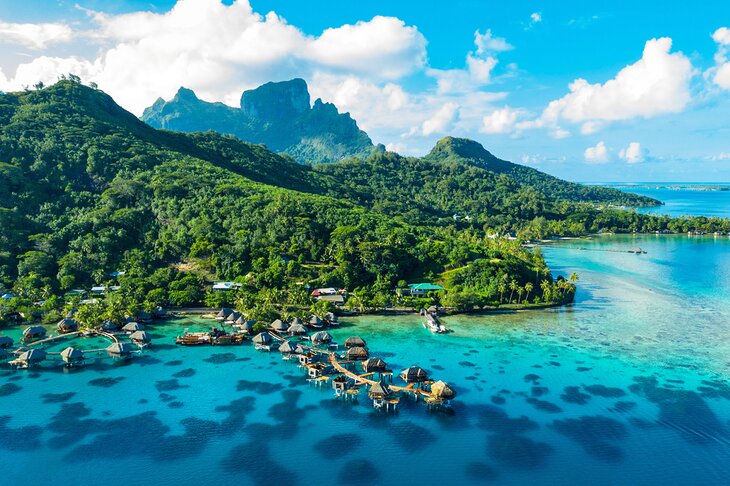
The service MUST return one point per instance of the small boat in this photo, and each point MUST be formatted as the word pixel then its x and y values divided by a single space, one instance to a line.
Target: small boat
pixel 432 323
pixel 637 251
pixel 193 339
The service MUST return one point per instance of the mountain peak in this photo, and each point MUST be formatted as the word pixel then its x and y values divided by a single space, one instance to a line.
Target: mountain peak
pixel 185 94
pixel 461 147
pixel 276 100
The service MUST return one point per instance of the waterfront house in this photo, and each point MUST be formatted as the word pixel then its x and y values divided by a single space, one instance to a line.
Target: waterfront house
pixel 140 338
pixel 30 357
pixel 297 330
pixel 223 314
pixel 421 289
pixel 287 348
pixel 336 299
pixel 353 341
pixel 262 339
pixel 442 391
pixel 380 391
pixel 120 350
pixel 321 337
pixel 414 374
pixel 72 356
pixel 67 325
pixel 233 317
pixel 34 333
pixel 131 327
pixel 279 326
pixel 374 365
pixel 357 353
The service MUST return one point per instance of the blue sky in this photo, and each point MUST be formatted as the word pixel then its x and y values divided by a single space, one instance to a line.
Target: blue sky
pixel 650 95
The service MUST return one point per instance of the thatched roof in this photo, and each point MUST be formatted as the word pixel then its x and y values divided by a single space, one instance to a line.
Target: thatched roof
pixel 330 317
pixel 67 325
pixel 234 316
pixel 71 354
pixel 353 341
pixel 297 330
pixel 247 326
pixel 34 331
pixel 278 326
pixel 287 348
pixel 119 348
pixel 297 322
pixel 321 337
pixel 262 338
pixel 379 390
pixel 240 320
pixel 374 364
pixel 357 353
pixel 299 349
pixel 33 356
pixel 5 342
pixel 414 374
pixel 315 320
pixel 110 325
pixel 224 312
pixel 133 327
pixel 140 336
pixel 442 390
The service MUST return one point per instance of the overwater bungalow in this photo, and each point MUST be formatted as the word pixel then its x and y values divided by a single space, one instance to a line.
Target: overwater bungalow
pixel 233 317
pixel 357 353
pixel 331 319
pixel 374 365
pixel 315 322
pixel 131 327
pixel 223 314
pixel 120 350
pixel 287 348
pixel 33 333
pixel 340 384
pixel 244 325
pixel 29 358
pixel 140 338
pixel 321 337
pixel 72 356
pixel 6 342
pixel 442 391
pixel 414 374
pixel 382 396
pixel 263 340
pixel 67 325
pixel 297 330
pixel 353 341
pixel 278 326
pixel 297 322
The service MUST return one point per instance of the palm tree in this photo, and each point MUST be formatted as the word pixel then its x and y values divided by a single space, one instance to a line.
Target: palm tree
pixel 545 286
pixel 501 287
pixel 528 289
pixel 520 291
pixel 512 288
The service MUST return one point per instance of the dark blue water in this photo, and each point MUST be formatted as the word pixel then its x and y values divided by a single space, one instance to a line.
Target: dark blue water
pixel 627 386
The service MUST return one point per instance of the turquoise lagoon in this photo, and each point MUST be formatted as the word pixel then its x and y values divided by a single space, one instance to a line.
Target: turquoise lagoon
pixel 626 386
pixel 683 199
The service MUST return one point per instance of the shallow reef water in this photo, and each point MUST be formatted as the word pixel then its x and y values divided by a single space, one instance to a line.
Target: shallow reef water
pixel 572 395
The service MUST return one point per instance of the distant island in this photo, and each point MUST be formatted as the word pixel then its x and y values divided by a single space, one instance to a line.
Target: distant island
pixel 150 218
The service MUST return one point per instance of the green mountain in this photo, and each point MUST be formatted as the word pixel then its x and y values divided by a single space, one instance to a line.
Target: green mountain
pixel 278 115
pixel 89 190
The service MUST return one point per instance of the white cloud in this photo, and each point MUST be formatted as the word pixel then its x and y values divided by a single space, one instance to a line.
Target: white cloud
pixel 500 121
pixel 217 50
pixel 720 74
pixel 536 17
pixel 633 154
pixel 656 84
pixel 487 43
pixel 597 154
pixel 720 156
pixel 35 36
pixel 442 120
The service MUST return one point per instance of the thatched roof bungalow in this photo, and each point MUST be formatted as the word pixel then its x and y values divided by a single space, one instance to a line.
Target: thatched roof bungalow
pixel 109 326
pixel 442 390
pixel 287 348
pixel 6 342
pixel 34 332
pixel 72 355
pixel 321 337
pixel 120 349
pixel 297 330
pixel 233 317
pixel 297 322
pixel 374 365
pixel 315 321
pixel 353 341
pixel 357 353
pixel 224 313
pixel 140 337
pixel 32 356
pixel 133 327
pixel 262 339
pixel 380 391
pixel 278 326
pixel 67 325
pixel 414 374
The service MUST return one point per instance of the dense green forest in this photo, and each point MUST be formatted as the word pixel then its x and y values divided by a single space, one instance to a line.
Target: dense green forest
pixel 89 190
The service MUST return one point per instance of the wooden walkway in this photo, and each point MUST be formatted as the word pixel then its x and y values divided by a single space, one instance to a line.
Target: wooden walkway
pixel 58 337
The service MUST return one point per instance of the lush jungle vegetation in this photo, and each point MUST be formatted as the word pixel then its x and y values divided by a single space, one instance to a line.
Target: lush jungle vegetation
pixel 88 190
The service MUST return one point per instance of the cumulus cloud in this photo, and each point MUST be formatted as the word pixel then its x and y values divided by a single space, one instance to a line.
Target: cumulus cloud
pixel 633 154
pixel 500 121
pixel 597 154
pixel 720 74
pixel 657 84
pixel 35 36
pixel 487 43
pixel 442 120
pixel 218 49
pixel 536 17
